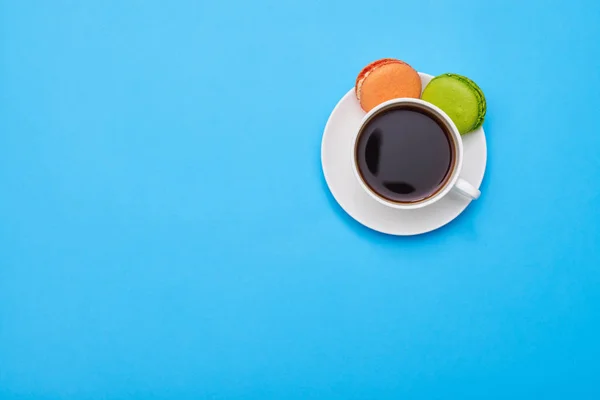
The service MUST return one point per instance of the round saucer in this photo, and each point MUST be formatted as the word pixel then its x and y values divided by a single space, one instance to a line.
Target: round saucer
pixel 336 160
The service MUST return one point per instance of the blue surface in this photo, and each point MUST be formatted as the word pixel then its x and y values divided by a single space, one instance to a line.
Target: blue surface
pixel 165 230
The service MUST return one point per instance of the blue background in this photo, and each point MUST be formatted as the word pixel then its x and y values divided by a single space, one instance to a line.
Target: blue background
pixel 165 230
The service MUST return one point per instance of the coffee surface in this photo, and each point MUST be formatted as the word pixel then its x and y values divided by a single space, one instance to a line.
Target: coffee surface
pixel 404 154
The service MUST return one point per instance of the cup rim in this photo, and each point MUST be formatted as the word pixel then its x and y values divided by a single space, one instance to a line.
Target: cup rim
pixel 455 137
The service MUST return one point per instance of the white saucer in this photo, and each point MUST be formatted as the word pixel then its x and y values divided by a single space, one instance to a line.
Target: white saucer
pixel 336 160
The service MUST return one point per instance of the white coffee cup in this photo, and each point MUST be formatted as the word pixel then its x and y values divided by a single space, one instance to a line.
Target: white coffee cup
pixel 453 182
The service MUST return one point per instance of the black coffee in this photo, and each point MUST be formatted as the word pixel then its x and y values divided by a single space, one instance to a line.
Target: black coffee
pixel 404 154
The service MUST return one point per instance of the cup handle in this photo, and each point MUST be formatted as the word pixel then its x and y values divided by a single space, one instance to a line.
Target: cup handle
pixel 466 189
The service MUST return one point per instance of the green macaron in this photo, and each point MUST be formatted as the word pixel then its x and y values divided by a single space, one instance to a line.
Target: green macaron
pixel 460 98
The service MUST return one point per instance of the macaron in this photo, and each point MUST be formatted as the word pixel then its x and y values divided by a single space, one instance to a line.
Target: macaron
pixel 460 98
pixel 386 79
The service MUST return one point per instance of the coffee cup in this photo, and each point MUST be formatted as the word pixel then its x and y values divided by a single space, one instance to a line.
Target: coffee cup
pixel 408 154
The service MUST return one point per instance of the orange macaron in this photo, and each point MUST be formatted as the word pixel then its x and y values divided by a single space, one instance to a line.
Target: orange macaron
pixel 386 79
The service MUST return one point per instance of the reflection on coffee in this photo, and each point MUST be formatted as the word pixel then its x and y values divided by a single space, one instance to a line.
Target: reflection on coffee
pixel 404 154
